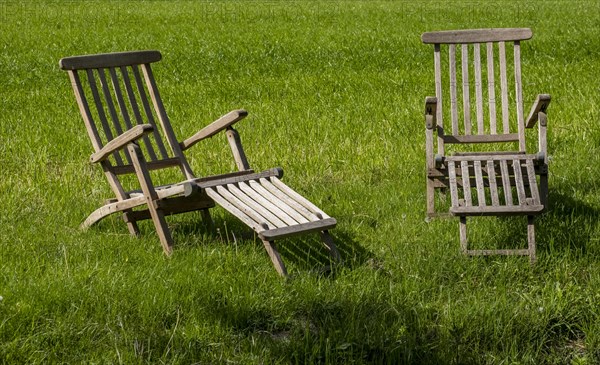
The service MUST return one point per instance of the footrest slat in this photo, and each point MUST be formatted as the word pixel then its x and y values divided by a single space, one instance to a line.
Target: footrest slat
pixel 277 233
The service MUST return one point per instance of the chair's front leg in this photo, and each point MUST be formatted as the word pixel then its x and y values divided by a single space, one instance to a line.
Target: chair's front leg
pixel 430 127
pixel 158 217
pixel 543 148
pixel 236 148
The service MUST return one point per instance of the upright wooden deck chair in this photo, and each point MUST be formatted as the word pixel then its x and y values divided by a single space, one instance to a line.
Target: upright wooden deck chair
pixel 498 177
pixel 131 134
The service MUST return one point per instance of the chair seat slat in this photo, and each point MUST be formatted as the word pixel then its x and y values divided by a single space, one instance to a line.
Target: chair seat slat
pixel 506 185
pixel 235 207
pixel 264 202
pixel 519 183
pixel 307 214
pixel 453 183
pixel 464 165
pixel 535 194
pixel 479 183
pixel 280 203
pixel 491 171
pixel 271 218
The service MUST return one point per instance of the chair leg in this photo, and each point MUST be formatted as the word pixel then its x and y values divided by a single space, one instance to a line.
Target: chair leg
pixel 162 229
pixel 207 220
pixel 275 257
pixel 333 251
pixel 158 217
pixel 131 224
pixel 430 198
pixel 544 190
pixel 463 234
pixel 133 228
pixel 531 238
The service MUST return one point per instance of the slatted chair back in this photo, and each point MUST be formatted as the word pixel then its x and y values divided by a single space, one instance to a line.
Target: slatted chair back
pixel 115 92
pixel 479 71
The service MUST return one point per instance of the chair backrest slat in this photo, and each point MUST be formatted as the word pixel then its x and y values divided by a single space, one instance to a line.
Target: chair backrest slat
pixel 466 88
pixel 503 87
pixel 519 96
pixel 164 119
pixel 453 99
pixel 491 86
pixel 478 87
pixel 101 113
pixel 111 107
pixel 483 56
pixel 136 110
pixel 438 92
pixel 149 115
pixel 84 109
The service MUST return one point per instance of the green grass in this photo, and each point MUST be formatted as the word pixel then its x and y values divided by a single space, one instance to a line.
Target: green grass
pixel 335 92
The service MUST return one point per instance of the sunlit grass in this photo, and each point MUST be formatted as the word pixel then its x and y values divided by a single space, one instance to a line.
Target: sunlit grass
pixel 335 93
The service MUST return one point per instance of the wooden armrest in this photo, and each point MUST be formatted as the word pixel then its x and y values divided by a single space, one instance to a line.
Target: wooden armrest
pixel 215 127
pixel 121 141
pixel 430 112
pixel 540 105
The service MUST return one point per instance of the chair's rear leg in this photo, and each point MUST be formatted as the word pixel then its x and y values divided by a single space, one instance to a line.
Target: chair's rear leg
pixel 207 220
pixel 131 224
pixel 275 257
pixel 531 238
pixel 463 235
pixel 333 251
pixel 133 228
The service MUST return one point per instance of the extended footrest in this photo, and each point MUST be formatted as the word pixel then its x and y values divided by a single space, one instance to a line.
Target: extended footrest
pixel 268 206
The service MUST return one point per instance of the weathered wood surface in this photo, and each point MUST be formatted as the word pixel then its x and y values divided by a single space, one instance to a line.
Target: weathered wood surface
pixel 316 226
pixel 235 143
pixel 215 127
pixel 477 35
pixel 540 105
pixel 116 59
pixel 481 138
pixel 121 141
pixel 157 214
pixel 127 111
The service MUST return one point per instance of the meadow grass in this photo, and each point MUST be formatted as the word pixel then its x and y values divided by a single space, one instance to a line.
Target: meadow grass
pixel 335 93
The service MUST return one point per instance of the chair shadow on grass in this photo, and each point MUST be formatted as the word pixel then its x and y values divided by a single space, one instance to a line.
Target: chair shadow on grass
pixel 568 225
pixel 305 252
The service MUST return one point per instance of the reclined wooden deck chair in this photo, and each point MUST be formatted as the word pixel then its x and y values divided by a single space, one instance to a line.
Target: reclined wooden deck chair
pixel 500 178
pixel 122 110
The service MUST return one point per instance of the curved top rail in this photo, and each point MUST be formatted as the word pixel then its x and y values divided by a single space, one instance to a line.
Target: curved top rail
pixel 109 60
pixel 477 35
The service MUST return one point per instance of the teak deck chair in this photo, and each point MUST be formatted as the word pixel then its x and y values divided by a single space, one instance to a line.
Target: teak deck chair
pixel 503 181
pixel 122 110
